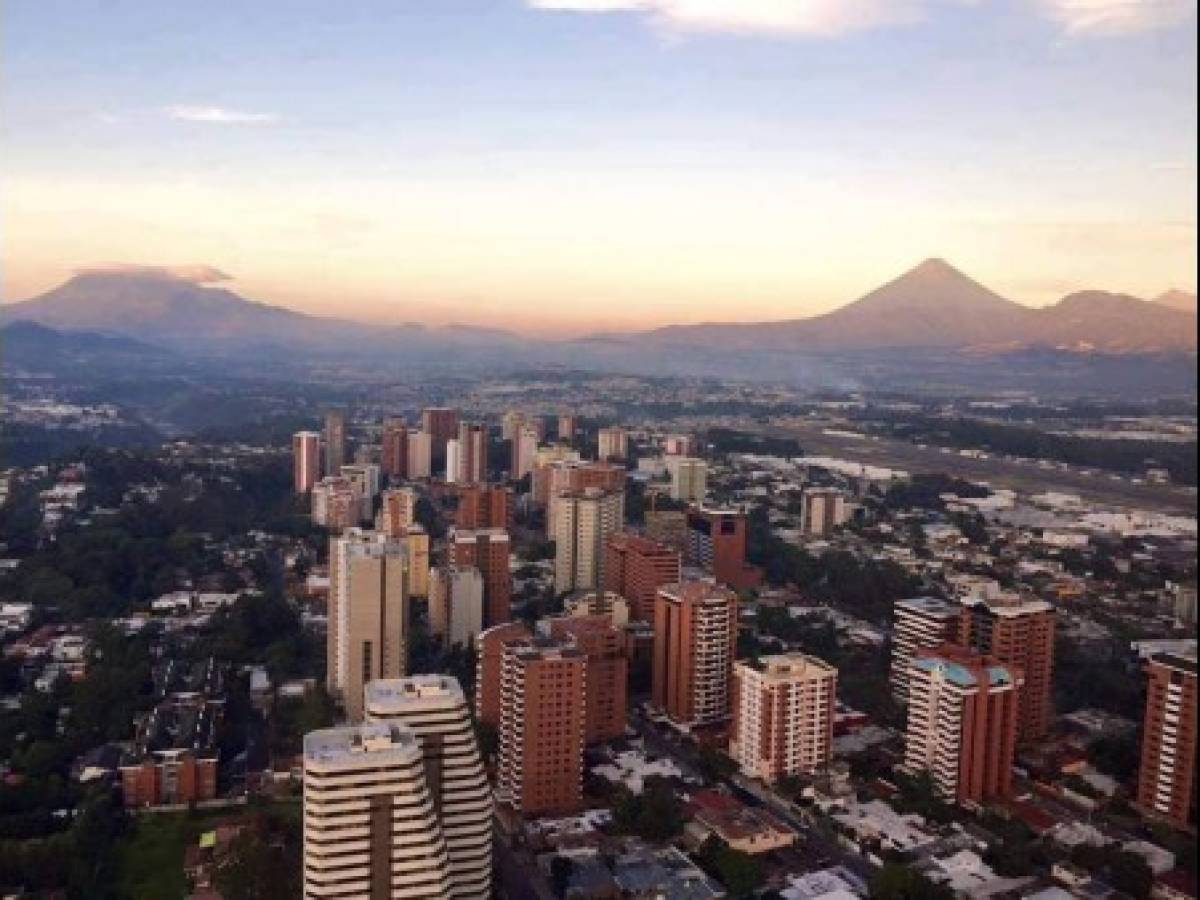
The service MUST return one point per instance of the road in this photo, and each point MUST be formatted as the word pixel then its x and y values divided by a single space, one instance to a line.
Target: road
pixel 1024 476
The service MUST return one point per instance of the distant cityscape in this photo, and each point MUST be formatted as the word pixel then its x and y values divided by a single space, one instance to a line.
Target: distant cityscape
pixel 599 450
pixel 482 649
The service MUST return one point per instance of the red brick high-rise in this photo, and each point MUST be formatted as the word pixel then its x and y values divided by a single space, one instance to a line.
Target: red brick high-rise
pixel 695 638
pixel 1166 788
pixel 607 672
pixel 441 424
pixel 489 654
pixel 636 567
pixel 487 549
pixel 1019 633
pixel 481 506
pixel 543 722
pixel 393 457
pixel 717 542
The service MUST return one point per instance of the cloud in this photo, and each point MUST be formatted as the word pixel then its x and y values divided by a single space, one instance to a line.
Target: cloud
pixel 218 115
pixel 834 17
pixel 1113 17
pixel 199 274
pixel 784 17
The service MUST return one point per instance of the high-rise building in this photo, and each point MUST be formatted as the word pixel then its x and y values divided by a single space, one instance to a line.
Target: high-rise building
pixel 524 452
pixel 962 722
pixel 393 456
pixel 543 461
pixel 511 424
pixel 689 478
pixel 487 549
pixel 454 462
pixel 567 426
pixel 335 442
pixel 583 522
pixel 636 567
pixel 368 614
pixel 336 504
pixel 1020 633
pixel 420 454
pixel 489 658
pixel 306 460
pixel 371 823
pixel 782 708
pixel 607 671
pixel 473 453
pixel 612 443
pixel 822 510
pixel 695 638
pixel 482 506
pixel 456 604
pixel 679 445
pixel 608 604
pixel 1167 774
pixel 399 511
pixel 543 721
pixel 572 476
pixel 416 541
pixel 717 543
pixel 441 424
pixel 366 479
pixel 434 709
pixel 919 622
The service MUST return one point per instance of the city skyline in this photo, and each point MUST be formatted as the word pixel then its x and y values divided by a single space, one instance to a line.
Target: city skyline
pixel 568 166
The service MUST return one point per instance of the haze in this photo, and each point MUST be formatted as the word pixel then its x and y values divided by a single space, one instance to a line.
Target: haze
pixel 611 164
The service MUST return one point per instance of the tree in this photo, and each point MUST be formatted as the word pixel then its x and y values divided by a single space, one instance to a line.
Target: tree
pixel 736 870
pixel 714 765
pixel 561 869
pixel 901 882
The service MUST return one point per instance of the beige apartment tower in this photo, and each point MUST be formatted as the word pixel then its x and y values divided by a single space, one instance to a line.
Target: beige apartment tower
pixel 368 610
pixel 782 708
pixel 583 522
pixel 371 824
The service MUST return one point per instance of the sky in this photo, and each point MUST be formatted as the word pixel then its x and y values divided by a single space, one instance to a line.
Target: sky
pixel 564 166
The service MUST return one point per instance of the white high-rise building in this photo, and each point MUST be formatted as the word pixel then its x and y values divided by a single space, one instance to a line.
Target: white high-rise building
pixel 918 623
pixel 456 604
pixel 962 722
pixel 420 454
pixel 306 460
pixel 371 826
pixel 453 461
pixel 689 478
pixel 434 708
pixel 582 522
pixel 368 613
pixel 782 715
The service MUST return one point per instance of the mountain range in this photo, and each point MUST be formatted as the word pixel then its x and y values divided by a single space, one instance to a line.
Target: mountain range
pixel 934 305
pixel 933 310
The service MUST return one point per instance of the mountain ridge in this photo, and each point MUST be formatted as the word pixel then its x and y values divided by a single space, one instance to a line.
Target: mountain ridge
pixel 933 305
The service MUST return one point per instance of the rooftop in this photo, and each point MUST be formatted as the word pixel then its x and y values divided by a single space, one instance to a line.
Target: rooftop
pixel 413 690
pixel 359 744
